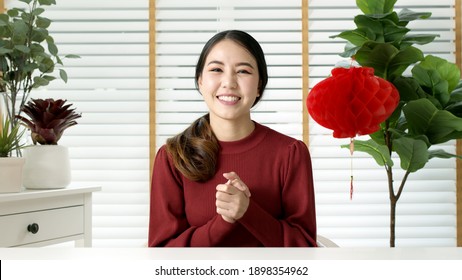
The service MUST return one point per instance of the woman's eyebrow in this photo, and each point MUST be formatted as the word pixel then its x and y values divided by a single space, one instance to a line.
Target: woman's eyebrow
pixel 245 64
pixel 237 64
pixel 215 62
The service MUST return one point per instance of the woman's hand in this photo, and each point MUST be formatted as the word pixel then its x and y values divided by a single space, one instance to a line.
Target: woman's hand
pixel 232 198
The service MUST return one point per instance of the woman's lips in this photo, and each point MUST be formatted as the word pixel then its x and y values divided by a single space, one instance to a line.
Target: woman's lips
pixel 228 99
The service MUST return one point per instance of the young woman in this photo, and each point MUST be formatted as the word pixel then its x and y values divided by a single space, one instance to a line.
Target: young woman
pixel 227 180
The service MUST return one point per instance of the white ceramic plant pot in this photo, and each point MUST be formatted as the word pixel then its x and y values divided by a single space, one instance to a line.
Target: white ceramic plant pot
pixel 11 171
pixel 47 167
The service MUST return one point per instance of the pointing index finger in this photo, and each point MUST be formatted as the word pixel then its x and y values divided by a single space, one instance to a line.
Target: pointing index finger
pixel 236 182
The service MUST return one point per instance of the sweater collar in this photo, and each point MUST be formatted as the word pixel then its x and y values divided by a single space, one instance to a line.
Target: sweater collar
pixel 245 144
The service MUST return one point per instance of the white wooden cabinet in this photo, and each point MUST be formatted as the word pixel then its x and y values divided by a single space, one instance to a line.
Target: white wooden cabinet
pixel 34 218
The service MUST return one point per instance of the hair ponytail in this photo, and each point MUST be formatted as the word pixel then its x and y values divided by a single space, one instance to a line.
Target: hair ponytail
pixel 194 151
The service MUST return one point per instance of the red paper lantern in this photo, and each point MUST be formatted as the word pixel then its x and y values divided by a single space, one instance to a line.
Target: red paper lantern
pixel 352 101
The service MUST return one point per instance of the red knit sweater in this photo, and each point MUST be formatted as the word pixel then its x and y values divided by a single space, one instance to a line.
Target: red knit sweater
pixel 281 213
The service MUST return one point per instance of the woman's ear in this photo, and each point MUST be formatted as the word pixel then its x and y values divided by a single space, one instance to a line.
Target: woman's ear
pixel 259 88
pixel 199 84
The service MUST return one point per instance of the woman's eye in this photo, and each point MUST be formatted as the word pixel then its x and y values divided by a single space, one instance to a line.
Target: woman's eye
pixel 215 70
pixel 243 71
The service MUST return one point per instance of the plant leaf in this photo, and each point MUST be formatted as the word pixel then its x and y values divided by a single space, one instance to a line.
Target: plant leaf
pixel 376 7
pixel 357 37
pixel 455 101
pixel 379 152
pixel 438 125
pixel 387 61
pixel 52 48
pixel 39 81
pixel 420 39
pixel 71 56
pixel 4 19
pixel 413 153
pixel 38 11
pixel 438 75
pixel 4 51
pixel 407 15
pixel 441 154
pixel 22 48
pixel 11 135
pixel 401 61
pixel 63 75
pixel 377 56
pixel 47 2
pixel 409 89
pixel 43 22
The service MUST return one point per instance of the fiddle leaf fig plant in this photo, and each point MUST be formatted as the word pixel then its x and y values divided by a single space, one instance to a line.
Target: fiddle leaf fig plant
pixel 48 119
pixel 29 57
pixel 430 109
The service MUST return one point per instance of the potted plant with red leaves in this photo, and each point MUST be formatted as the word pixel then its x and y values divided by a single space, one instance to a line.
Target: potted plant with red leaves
pixel 47 163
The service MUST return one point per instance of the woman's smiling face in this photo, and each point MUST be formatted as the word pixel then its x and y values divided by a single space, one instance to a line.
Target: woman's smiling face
pixel 229 81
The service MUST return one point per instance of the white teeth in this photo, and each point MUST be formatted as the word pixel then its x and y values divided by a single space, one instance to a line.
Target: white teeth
pixel 228 98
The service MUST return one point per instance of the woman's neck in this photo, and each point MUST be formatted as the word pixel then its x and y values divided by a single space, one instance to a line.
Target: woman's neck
pixel 226 130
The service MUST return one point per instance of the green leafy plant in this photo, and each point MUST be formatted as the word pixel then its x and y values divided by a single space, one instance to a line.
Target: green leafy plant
pixel 430 109
pixel 48 119
pixel 10 138
pixel 25 63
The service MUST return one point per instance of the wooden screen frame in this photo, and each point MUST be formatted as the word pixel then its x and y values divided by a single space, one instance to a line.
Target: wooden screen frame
pixel 458 19
pixel 305 71
pixel 152 85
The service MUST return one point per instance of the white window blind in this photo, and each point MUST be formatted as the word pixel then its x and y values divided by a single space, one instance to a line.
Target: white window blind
pixel 426 212
pixel 109 86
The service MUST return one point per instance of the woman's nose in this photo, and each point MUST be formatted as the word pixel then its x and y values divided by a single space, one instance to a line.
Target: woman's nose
pixel 229 81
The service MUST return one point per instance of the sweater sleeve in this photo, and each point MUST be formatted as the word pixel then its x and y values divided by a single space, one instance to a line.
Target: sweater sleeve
pixel 168 225
pixel 297 227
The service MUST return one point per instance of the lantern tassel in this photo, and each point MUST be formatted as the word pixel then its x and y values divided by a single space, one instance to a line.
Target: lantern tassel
pixel 352 148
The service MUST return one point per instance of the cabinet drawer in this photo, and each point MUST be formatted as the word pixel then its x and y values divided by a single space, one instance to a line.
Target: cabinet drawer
pixel 52 224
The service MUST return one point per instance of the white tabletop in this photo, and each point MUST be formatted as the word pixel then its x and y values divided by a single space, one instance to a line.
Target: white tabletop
pixel 452 253
pixel 39 193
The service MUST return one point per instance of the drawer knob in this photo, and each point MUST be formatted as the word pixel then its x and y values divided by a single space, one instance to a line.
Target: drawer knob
pixel 33 228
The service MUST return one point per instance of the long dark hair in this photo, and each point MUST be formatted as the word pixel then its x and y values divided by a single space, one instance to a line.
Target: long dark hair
pixel 194 151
